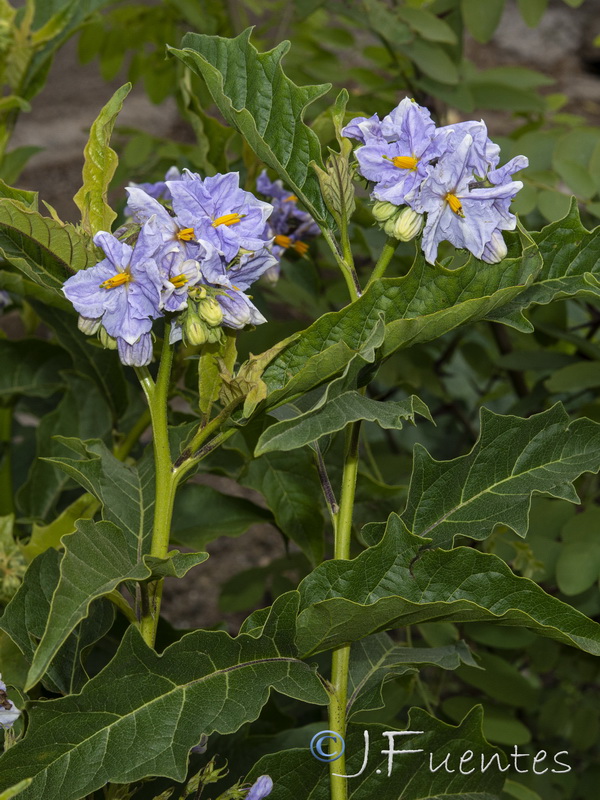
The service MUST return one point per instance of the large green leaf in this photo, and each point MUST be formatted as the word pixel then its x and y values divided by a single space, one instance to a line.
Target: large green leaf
pixel 297 775
pixel 418 307
pixel 125 491
pixel 378 658
pixel 205 682
pixel 571 267
pixel 25 617
pixel 31 367
pixel 290 484
pixel 44 250
pixel 99 167
pixel 255 96
pixel 397 582
pixel 98 557
pixel 493 484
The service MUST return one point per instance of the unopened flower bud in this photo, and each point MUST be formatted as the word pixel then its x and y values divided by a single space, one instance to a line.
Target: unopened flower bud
pixel 108 341
pixel 405 226
pixel 195 330
pixel 496 249
pixel 382 210
pixel 210 311
pixel 88 325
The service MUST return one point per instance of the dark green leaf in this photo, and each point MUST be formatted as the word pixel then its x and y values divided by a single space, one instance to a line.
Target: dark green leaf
pixel 204 682
pixel 254 96
pixel 493 484
pixel 31 367
pixel 414 585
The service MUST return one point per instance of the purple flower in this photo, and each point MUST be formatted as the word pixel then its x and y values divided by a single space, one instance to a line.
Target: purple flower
pixel 219 212
pixel 363 128
pixel 138 354
pixel 460 211
pixel 260 789
pixel 143 207
pixel 9 713
pixel 123 290
pixel 399 160
pixel 483 154
pixel 179 273
pixel 158 190
pixel 238 310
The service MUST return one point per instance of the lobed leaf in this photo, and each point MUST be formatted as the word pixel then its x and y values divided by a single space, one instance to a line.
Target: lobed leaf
pixel 397 582
pixel 255 96
pixel 205 682
pixel 494 483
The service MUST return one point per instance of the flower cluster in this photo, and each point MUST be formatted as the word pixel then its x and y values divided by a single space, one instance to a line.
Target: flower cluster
pixel 288 226
pixel 9 713
pixel 449 173
pixel 198 245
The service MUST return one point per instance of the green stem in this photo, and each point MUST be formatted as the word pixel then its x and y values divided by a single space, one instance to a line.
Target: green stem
pixel 385 257
pixel 6 480
pixel 340 661
pixel 347 267
pixel 157 395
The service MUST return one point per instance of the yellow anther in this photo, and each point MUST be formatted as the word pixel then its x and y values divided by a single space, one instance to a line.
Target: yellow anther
pixel 455 204
pixel 291 199
pixel 117 280
pixel 178 281
pixel 283 241
pixel 185 234
pixel 227 219
pixel 405 162
pixel 301 248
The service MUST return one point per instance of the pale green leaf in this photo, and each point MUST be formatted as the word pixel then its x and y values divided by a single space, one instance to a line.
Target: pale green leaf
pixel 482 19
pixel 99 167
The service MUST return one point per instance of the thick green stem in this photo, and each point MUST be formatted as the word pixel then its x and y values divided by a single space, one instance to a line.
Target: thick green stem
pixel 340 661
pixel 385 257
pixel 7 505
pixel 157 395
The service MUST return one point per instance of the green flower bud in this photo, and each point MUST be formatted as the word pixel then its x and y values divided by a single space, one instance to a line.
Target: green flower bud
pixel 405 226
pixel 382 210
pixel 107 341
pixel 210 311
pixel 195 330
pixel 88 326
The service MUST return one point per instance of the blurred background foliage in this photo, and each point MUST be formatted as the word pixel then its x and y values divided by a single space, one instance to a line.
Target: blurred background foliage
pixel 536 693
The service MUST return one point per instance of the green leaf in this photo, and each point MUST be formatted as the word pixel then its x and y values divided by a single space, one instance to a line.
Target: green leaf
pixel 428 25
pixel 45 536
pixel 385 23
pixel 125 492
pixel 578 563
pixel 222 515
pixel 493 484
pixel 25 619
pixel 290 484
pixel 98 557
pixel 15 282
pixel 482 19
pixel 377 658
pixel 31 367
pixel 575 377
pixel 571 267
pixel 255 96
pixel 44 250
pixel 432 60
pixel 333 414
pixel 413 585
pixel 102 366
pixel 13 163
pixel 99 167
pixel 205 682
pixel 13 791
pixel 82 412
pixel 423 305
pixel 532 11
pixel 297 774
